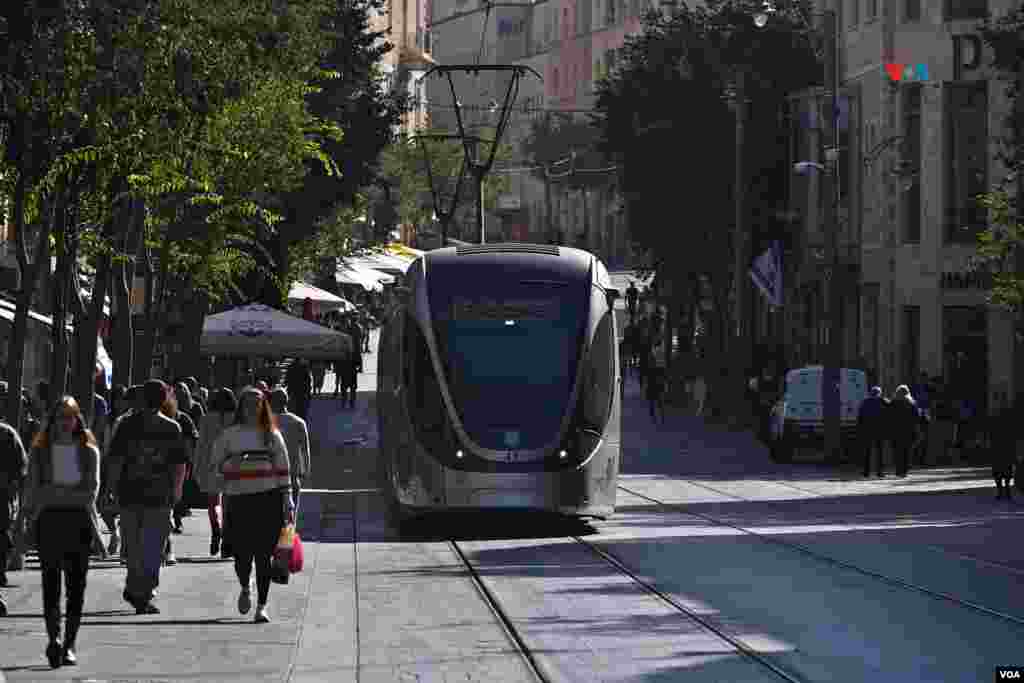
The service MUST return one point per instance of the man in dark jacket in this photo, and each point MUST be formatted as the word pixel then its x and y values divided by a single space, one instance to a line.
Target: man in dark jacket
pixel 1005 427
pixel 871 429
pixel 904 422
pixel 13 468
pixel 299 381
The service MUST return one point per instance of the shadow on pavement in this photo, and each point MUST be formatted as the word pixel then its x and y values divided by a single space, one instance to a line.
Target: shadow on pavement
pixel 490 526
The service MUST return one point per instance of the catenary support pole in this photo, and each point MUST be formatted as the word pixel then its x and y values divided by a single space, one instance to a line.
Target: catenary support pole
pixel 834 348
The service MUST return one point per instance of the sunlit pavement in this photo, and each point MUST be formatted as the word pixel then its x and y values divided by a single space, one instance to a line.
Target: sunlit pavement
pixel 750 546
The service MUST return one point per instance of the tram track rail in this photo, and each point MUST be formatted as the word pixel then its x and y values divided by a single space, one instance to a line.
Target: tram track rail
pixel 541 672
pixel 827 559
pixel 537 668
pixel 939 549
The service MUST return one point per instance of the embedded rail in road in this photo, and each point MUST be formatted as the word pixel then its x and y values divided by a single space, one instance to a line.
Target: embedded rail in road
pixel 827 559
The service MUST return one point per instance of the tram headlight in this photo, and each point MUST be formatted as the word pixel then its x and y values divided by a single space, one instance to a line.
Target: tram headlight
pixel 459 454
pixel 562 455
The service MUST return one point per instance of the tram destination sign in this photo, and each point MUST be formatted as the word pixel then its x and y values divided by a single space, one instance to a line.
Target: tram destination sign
pixel 504 309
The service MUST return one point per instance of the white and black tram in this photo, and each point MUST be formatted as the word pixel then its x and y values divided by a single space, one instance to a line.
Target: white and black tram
pixel 497 383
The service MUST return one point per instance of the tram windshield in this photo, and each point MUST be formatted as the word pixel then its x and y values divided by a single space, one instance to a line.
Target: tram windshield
pixel 510 358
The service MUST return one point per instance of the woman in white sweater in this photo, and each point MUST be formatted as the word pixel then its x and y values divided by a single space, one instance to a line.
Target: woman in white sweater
pixel 63 480
pixel 251 461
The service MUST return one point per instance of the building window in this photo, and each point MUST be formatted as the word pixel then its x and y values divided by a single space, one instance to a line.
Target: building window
pixel 911 343
pixel 854 13
pixel 912 10
pixel 609 14
pixel 871 9
pixel 966 9
pixel 966 115
pixel 911 153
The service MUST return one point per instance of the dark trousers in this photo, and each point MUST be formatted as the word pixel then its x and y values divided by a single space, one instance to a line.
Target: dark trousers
pixel 65 540
pixel 6 527
pixel 871 447
pixel 254 525
pixel 901 449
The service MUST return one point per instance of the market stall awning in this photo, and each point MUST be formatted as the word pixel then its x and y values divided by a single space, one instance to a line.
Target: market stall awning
pixel 256 331
pixel 403 251
pixel 381 262
pixel 351 273
pixel 324 300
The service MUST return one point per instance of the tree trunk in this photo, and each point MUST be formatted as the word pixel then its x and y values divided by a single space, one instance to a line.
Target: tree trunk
pixel 144 357
pixel 123 281
pixel 61 284
pixel 29 272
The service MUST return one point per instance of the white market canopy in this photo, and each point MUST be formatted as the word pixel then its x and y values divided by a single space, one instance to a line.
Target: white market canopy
pixel 260 331
pixel 323 299
pixel 352 273
pixel 391 264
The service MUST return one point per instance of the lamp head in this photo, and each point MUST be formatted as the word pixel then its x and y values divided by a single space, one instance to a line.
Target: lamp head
pixel 763 15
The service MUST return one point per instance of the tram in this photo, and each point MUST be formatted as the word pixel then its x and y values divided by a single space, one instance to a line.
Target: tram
pixel 497 383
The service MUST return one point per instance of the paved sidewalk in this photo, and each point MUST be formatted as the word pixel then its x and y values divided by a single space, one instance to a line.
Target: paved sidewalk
pixel 199 635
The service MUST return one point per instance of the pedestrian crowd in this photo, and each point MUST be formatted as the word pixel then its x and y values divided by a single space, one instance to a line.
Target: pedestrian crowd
pixel 929 423
pixel 247 454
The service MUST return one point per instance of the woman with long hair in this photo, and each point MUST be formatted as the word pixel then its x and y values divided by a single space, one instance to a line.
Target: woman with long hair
pixel 251 460
pixel 220 417
pixel 63 481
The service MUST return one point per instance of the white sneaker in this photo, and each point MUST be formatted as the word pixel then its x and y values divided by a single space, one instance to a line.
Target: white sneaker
pixel 244 601
pixel 261 615
pixel 170 560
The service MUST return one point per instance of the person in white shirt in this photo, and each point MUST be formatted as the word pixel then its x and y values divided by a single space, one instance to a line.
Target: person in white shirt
pixel 63 482
pixel 296 439
pixel 251 461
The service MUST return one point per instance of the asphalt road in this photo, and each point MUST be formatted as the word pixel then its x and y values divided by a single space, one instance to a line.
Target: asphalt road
pixel 718 566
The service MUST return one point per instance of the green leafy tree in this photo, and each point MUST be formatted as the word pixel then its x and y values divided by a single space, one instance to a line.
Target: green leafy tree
pixel 669 100
pixel 1000 250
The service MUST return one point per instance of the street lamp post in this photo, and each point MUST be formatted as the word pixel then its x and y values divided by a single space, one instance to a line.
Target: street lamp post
pixel 833 357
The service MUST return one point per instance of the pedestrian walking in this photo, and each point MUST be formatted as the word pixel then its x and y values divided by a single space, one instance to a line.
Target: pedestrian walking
pixel 871 427
pixel 177 396
pixel 130 404
pixel 296 440
pixel 252 461
pixel 339 367
pixel 350 379
pixel 1005 428
pixel 147 475
pixel 903 424
pixel 632 294
pixel 655 390
pixel 63 482
pixel 319 375
pixel 700 394
pixel 299 381
pixel 13 469
pixel 221 416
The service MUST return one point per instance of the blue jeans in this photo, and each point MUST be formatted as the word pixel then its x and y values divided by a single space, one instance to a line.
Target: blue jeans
pixel 144 532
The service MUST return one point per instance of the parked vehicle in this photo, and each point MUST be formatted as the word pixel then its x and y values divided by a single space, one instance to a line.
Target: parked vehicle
pixel 798 421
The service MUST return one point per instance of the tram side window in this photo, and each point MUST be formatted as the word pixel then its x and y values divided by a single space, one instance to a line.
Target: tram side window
pixel 599 377
pixel 423 393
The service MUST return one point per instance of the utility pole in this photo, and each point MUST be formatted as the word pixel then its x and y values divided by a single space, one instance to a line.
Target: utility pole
pixel 833 357
pixel 740 351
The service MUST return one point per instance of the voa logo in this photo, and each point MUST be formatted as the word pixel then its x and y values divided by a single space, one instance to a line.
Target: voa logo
pixel 1008 674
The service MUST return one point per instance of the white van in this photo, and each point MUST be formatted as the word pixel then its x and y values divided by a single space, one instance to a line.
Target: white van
pixel 798 417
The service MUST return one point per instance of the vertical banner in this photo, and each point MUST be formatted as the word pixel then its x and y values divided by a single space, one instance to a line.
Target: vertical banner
pixel 766 272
